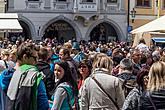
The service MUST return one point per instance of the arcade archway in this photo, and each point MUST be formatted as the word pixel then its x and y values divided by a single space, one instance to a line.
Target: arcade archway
pixel 103 32
pixel 61 30
pixel 26 34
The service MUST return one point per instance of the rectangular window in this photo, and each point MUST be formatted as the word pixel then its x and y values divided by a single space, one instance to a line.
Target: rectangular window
pixel 143 3
pixel 33 0
pixel 87 1
pixel 111 1
pixel 164 4
pixel 61 0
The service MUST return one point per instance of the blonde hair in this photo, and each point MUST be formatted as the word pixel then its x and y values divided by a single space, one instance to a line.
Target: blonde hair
pixel 156 76
pixel 5 52
pixel 13 52
pixel 103 62
pixel 68 45
pixel 97 55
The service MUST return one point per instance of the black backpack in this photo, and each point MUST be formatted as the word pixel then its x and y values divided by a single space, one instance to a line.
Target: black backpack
pixel 128 85
pixel 26 96
pixel 49 79
pixel 74 69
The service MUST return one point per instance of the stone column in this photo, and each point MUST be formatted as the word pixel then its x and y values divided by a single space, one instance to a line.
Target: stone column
pixel 75 6
pixel 121 6
pixel 101 5
pixel 98 5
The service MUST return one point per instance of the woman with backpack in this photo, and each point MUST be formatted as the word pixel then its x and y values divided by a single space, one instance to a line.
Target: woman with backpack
pixel 66 89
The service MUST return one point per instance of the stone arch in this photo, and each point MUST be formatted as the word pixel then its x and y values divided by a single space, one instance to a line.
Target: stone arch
pixel 61 17
pixel 111 22
pixel 30 24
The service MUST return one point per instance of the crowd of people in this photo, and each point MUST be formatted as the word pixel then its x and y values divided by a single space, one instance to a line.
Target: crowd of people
pixel 81 75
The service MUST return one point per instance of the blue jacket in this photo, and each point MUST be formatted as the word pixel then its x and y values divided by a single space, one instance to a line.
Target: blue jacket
pixel 42 99
pixel 5 77
pixel 54 59
pixel 79 57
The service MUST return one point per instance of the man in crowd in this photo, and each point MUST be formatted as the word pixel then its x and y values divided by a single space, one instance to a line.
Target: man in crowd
pixel 26 90
pixel 43 66
pixel 64 55
pixel 125 74
pixel 136 57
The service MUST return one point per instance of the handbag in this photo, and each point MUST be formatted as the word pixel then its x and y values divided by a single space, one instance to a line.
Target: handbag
pixel 105 92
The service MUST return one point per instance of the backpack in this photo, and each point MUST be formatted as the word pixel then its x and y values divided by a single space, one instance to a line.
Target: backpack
pixel 76 104
pixel 26 94
pixel 74 70
pixel 48 79
pixel 128 85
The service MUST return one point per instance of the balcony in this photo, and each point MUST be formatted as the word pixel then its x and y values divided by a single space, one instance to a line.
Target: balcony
pixel 61 5
pixel 33 4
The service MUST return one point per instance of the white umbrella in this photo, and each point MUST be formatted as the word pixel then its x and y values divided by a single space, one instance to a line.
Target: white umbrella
pixel 155 25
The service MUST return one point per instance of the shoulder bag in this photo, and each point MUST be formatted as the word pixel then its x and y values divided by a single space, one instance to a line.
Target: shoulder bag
pixel 105 92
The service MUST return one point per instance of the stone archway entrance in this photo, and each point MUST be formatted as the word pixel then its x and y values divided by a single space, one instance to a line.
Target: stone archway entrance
pixel 26 34
pixel 61 30
pixel 103 32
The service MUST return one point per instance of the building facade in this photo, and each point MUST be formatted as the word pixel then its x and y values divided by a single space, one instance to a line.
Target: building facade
pixel 144 11
pixel 104 20
pixel 2 10
pixel 2 6
pixel 141 12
